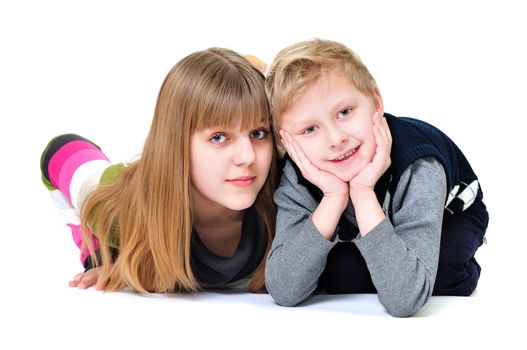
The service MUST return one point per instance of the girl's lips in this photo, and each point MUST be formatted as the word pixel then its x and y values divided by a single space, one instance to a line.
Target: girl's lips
pixel 243 181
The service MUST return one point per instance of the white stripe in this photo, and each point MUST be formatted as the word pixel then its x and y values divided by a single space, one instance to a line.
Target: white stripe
pixel 469 194
pixel 68 212
pixel 452 195
pixel 60 200
pixel 85 179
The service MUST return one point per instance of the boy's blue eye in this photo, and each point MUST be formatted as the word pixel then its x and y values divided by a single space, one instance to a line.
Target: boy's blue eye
pixel 344 113
pixel 218 138
pixel 259 134
pixel 310 129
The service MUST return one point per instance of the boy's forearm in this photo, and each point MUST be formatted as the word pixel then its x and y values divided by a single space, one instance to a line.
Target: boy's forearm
pixel 404 281
pixel 296 260
pixel 327 215
pixel 367 209
pixel 402 254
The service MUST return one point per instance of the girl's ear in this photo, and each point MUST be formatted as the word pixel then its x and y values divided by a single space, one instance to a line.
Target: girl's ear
pixel 379 105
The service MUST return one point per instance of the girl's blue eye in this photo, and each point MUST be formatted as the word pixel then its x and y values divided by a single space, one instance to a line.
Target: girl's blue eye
pixel 344 113
pixel 259 134
pixel 310 129
pixel 218 138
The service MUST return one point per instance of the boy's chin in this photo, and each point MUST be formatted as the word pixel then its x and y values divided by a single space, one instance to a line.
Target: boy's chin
pixel 345 178
pixel 342 177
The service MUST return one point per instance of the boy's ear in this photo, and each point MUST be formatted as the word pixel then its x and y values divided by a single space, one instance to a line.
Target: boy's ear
pixel 379 105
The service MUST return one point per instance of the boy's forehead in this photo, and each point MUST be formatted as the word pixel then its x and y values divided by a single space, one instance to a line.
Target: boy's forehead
pixel 328 93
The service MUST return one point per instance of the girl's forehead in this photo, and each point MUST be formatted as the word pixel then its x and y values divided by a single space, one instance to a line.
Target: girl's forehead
pixel 238 122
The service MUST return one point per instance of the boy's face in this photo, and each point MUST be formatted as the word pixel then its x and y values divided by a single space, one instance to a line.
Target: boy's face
pixel 332 122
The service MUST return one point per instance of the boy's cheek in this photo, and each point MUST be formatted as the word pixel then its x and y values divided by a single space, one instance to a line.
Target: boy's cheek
pixel 314 155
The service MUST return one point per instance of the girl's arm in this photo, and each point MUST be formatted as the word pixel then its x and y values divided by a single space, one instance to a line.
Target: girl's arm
pixel 87 279
pixel 71 168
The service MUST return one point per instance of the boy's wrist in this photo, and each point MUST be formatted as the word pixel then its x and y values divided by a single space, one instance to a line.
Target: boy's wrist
pixel 358 192
pixel 339 201
pixel 328 213
pixel 368 211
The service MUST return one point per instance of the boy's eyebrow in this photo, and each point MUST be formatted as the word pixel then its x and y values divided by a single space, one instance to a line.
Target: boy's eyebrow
pixel 338 106
pixel 304 122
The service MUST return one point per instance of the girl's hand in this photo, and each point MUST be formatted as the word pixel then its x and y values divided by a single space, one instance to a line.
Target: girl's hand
pixel 87 279
pixel 329 184
pixel 368 177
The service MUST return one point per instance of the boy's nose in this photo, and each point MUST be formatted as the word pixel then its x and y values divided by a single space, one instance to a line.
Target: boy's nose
pixel 244 153
pixel 336 139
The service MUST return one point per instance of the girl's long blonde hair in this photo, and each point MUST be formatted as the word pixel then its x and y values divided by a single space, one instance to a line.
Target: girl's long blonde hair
pixel 147 211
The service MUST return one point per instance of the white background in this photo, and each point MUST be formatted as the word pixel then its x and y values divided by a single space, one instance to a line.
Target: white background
pixel 95 67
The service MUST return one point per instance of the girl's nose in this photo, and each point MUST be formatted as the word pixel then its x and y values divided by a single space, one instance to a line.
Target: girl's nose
pixel 244 152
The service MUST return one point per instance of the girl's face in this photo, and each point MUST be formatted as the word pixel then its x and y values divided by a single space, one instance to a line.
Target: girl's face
pixel 229 167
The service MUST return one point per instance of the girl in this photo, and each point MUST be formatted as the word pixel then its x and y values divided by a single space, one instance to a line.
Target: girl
pixel 196 209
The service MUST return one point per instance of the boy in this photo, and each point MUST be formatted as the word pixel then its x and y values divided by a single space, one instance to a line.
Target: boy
pixel 359 212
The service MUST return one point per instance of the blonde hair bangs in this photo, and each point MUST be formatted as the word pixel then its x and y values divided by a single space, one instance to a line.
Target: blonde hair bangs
pixel 299 65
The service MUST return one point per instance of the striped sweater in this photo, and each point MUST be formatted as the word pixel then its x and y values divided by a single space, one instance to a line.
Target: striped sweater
pixel 72 167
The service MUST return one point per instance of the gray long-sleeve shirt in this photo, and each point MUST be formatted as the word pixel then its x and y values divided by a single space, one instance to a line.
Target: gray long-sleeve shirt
pixel 401 256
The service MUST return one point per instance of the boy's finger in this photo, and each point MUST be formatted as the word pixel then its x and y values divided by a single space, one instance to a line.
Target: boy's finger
pixel 387 128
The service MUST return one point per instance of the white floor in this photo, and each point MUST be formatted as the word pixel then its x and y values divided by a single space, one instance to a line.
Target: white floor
pixel 95 69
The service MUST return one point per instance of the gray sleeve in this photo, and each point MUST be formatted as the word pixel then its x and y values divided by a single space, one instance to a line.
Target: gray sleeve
pixel 402 256
pixel 299 252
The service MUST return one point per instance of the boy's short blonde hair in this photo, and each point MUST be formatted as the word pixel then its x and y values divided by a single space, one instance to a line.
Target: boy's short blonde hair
pixel 299 65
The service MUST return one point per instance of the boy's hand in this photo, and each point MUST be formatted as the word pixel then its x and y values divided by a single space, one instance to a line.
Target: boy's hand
pixel 329 184
pixel 368 177
pixel 326 216
pixel 87 279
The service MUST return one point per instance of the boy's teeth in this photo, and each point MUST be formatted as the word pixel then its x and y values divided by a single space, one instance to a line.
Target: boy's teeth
pixel 346 155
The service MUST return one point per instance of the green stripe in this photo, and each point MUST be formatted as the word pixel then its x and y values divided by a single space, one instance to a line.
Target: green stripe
pixel 109 176
pixel 111 173
pixel 46 182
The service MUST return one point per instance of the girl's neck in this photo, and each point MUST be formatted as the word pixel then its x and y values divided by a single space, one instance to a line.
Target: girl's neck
pixel 219 228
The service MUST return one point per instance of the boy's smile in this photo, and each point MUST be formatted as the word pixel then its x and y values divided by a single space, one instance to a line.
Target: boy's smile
pixel 332 123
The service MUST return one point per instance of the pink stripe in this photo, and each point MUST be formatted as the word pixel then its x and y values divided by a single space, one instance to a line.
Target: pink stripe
pixel 58 159
pixel 76 233
pixel 70 166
